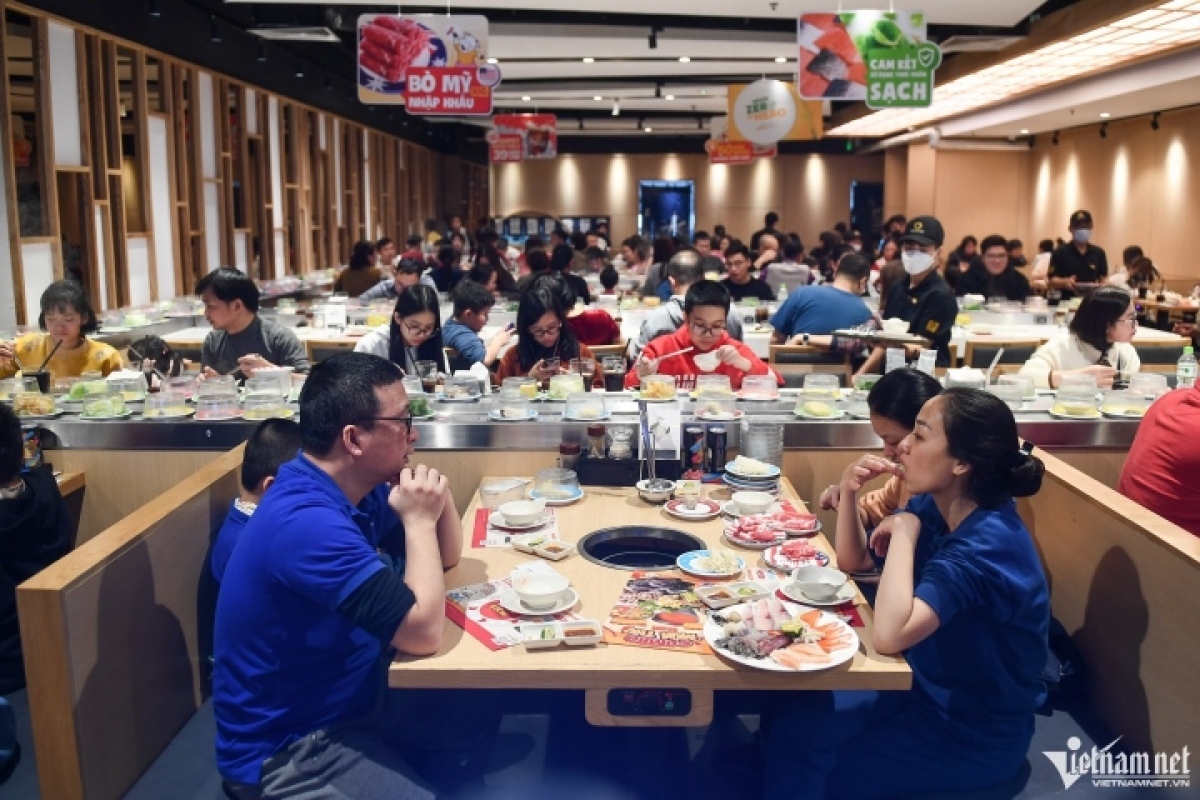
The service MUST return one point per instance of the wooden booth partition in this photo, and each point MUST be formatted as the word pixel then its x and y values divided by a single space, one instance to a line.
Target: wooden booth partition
pixel 116 638
pixel 1126 585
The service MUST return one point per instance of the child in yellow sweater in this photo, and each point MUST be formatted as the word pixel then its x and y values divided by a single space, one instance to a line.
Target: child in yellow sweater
pixel 66 317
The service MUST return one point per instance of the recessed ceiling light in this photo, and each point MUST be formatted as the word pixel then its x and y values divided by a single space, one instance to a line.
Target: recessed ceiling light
pixel 1105 115
pixel 493 61
pixel 1024 131
pixel 589 60
pixel 684 60
pixel 780 60
pixel 670 97
pixel 597 98
pixel 526 98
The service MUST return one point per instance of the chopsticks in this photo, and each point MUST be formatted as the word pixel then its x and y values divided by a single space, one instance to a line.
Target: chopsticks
pixel 672 355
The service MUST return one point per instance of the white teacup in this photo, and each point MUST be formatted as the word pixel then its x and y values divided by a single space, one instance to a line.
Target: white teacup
pixel 753 502
pixel 539 590
pixel 707 362
pixel 819 583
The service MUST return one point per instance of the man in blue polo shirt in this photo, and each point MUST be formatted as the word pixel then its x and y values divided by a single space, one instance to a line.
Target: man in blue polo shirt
pixel 308 611
pixel 811 313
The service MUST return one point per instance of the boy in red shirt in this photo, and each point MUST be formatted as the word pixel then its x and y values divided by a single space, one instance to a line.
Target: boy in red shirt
pixel 705 309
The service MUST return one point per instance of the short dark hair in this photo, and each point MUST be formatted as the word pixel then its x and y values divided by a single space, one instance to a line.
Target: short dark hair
pixel 638 245
pixel 273 443
pixel 538 261
pixel 793 249
pixel 410 266
pixel 228 284
pixel 12 445
pixel 415 240
pixel 737 248
pixel 471 296
pixel 966 240
pixel 64 296
pixel 593 254
pixel 896 219
pixel 578 240
pixel 562 257
pixel 1014 244
pixel 1046 246
pixel 534 243
pixel 663 249
pixel 383 242
pixel 481 274
pixel 981 430
pixel 706 293
pixel 771 219
pixel 609 277
pixel 1131 254
pixel 854 266
pixel 995 240
pixel 340 391
pixel 1098 310
pixel 685 267
pixel 362 255
pixel 701 236
pixel 900 394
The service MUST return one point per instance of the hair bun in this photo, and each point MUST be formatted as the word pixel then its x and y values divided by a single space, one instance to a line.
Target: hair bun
pixel 1025 476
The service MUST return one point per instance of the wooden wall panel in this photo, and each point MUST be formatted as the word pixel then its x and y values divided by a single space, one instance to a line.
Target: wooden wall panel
pixel 810 193
pixel 979 193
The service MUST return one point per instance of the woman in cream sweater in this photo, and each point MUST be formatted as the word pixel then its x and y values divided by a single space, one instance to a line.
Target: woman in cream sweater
pixel 1097 343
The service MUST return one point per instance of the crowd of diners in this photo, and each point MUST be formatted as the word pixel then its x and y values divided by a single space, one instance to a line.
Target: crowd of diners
pixel 332 559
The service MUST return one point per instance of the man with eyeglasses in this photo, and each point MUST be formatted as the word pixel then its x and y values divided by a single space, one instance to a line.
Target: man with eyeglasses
pixel 992 274
pixel 309 611
pixel 706 312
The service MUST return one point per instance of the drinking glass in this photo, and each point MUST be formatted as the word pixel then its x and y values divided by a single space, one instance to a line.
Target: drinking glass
pixel 585 367
pixel 427 371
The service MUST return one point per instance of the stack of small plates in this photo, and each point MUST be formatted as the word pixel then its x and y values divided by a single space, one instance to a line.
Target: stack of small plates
pixel 740 482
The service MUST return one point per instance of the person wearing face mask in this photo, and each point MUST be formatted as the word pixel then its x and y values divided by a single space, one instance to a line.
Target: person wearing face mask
pixel 921 298
pixel 1077 261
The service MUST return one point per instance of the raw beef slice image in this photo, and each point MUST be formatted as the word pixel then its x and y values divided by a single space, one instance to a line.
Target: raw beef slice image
pixel 828 65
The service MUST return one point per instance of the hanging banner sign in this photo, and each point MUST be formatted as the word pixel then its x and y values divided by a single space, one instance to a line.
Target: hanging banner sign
pixel 882 58
pixel 505 147
pixel 537 133
pixel 734 153
pixel 767 111
pixel 433 64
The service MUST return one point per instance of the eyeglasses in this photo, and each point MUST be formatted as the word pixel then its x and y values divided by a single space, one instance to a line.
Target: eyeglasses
pixel 408 422
pixel 543 333
pixel 1132 320
pixel 996 256
pixel 416 332
pixel 704 330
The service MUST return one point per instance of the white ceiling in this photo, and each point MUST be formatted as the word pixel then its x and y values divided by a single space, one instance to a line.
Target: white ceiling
pixel 1005 13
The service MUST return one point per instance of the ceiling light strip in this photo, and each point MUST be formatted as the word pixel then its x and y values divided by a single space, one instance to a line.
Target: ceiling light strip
pixel 1146 33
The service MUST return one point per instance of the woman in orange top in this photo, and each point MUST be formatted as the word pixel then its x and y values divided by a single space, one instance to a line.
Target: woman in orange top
pixel 543 335
pixel 66 317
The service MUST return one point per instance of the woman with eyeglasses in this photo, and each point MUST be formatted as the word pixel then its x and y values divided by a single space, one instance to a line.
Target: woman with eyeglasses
pixel 1097 343
pixel 546 343
pixel 705 315
pixel 414 334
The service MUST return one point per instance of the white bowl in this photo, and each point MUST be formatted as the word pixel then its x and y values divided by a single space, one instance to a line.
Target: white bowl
pixel 819 583
pixel 753 502
pixel 895 325
pixel 522 512
pixel 539 589
pixel 707 362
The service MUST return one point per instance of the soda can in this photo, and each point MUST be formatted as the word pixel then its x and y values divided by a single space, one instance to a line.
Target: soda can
pixel 691 454
pixel 717 444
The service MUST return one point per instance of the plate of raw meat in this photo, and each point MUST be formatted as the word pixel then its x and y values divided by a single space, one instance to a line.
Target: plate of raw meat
pixel 778 636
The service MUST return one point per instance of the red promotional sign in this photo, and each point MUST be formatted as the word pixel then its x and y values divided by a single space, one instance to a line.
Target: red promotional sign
pixel 538 134
pixel 726 152
pixel 446 90
pixel 505 147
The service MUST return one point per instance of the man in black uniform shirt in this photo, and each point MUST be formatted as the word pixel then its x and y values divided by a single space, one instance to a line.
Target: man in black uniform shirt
pixel 992 274
pixel 921 298
pixel 1077 261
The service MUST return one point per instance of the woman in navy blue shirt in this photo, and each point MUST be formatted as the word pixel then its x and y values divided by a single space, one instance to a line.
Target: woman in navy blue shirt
pixel 963 597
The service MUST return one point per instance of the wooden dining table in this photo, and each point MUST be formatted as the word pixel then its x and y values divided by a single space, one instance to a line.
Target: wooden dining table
pixel 463 662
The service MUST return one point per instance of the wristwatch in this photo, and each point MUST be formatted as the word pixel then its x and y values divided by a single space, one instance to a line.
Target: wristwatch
pixel 804 339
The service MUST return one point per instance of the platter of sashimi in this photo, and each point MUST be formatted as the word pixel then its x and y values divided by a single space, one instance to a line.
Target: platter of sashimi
pixel 779 636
